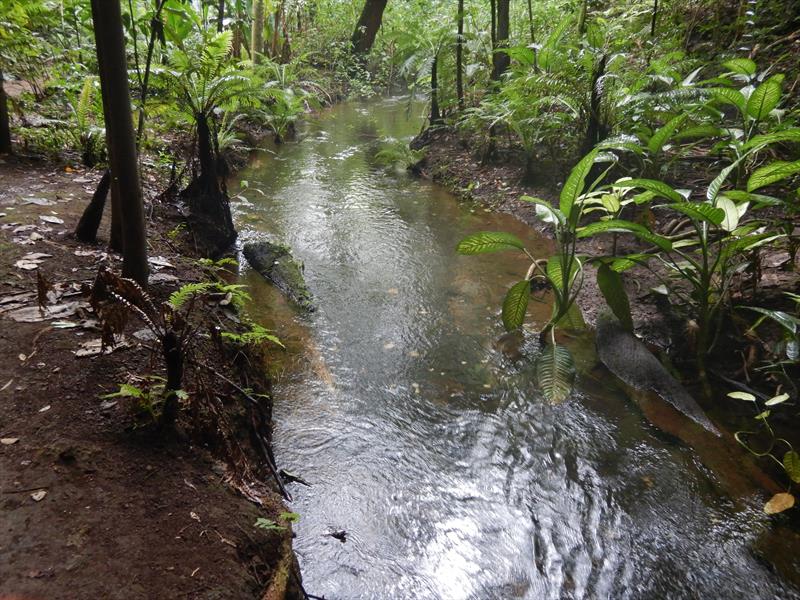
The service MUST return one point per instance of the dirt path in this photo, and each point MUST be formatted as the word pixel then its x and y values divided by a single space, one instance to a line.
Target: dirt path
pixel 92 506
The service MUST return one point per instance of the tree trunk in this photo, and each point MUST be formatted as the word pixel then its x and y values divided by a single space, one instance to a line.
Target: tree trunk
pixel 209 208
pixel 257 39
pixel 220 15
pixel 436 115
pixel 110 44
pixel 582 17
pixel 654 19
pixel 501 60
pixel 460 56
pixel 173 359
pixel 155 26
pixel 367 27
pixel 5 129
pixel 493 26
pixel 596 129
pixel 86 231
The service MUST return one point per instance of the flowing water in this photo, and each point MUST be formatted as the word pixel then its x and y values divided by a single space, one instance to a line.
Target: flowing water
pixel 424 437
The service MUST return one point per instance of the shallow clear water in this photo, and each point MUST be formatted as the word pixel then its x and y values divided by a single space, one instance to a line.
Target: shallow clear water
pixel 428 444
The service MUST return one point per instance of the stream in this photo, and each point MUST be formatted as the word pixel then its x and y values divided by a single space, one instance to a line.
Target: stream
pixel 421 430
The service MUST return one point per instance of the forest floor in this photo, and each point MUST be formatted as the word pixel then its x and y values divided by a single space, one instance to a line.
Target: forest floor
pixel 93 504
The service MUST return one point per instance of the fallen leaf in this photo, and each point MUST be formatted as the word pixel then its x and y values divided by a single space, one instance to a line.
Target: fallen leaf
pixel 39 496
pixel 51 219
pixel 8 441
pixel 162 278
pixel 393 291
pixel 32 314
pixel 160 261
pixel 95 346
pixel 38 201
pixel 27 265
pixel 195 516
pixel 44 408
pixel 779 503
pixel 36 256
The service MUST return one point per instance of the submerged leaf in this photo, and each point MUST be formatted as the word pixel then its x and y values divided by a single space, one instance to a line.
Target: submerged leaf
pixel 555 372
pixel 791 462
pixel 515 305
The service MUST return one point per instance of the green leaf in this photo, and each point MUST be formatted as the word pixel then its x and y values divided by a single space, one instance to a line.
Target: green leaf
pixel 730 96
pixel 699 211
pixel 659 188
pixel 788 135
pixel 125 391
pixel 791 462
pixel 763 415
pixel 713 189
pixel 771 173
pixel 489 241
pixel 613 290
pixel 741 66
pixel 779 399
pixel 545 211
pixel 742 396
pixel 764 99
pixel 663 134
pixel 268 525
pixel 555 372
pixel 515 305
pixel 699 131
pixel 555 271
pixel 618 225
pixel 575 183
pixel 789 322
pixel 572 319
pixel 732 213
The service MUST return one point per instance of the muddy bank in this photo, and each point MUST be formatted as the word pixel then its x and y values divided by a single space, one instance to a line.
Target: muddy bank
pixel 95 502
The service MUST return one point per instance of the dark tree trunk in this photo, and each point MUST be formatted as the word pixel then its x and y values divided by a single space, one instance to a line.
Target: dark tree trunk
pixel 155 27
pixel 654 19
pixel 530 21
pixel 209 208
pixel 110 43
pixel 436 115
pixel 86 231
pixel 493 26
pixel 501 60
pixel 367 27
pixel 584 8
pixel 257 37
pixel 460 56
pixel 220 15
pixel 173 359
pixel 596 129
pixel 5 128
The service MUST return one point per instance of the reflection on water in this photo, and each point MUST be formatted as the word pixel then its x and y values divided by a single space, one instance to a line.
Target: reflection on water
pixel 427 442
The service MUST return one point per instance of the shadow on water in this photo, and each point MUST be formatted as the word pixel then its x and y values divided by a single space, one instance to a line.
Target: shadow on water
pixel 421 430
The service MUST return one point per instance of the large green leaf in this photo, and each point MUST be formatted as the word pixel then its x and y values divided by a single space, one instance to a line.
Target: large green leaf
pixel 572 319
pixel 544 210
pixel 699 131
pixel 613 290
pixel 619 225
pixel 788 135
pixel 515 305
pixel 575 183
pixel 733 212
pixel 741 66
pixel 489 241
pixel 659 188
pixel 663 134
pixel 791 462
pixel 764 99
pixel 771 173
pixel 730 96
pixel 700 211
pixel 555 271
pixel 555 372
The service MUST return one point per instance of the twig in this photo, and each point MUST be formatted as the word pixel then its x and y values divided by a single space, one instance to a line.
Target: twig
pixel 255 403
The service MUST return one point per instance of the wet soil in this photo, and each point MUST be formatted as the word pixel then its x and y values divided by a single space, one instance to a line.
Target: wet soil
pixel 94 501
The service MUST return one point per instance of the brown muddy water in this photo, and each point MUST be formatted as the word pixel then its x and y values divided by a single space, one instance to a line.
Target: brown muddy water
pixel 427 441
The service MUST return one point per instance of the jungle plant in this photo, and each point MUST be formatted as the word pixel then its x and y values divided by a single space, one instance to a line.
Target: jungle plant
pixel 563 273
pixel 789 460
pixel 88 136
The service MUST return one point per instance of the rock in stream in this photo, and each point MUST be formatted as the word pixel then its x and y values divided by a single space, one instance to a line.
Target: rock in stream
pixel 628 358
pixel 277 265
